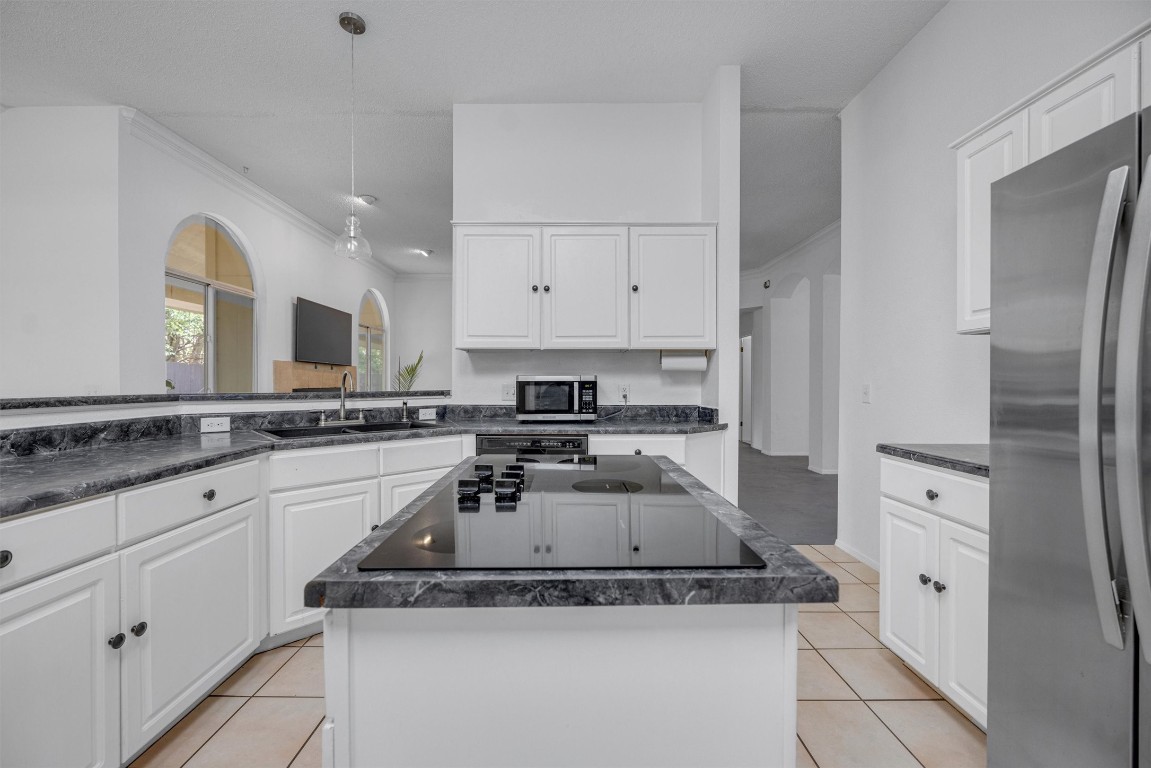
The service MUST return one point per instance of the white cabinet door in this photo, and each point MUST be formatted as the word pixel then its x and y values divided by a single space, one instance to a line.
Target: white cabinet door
pixel 1085 103
pixel 588 530
pixel 307 531
pixel 189 611
pixel 984 159
pixel 908 610
pixel 672 446
pixel 669 531
pixel 397 491
pixel 963 574
pixel 500 539
pixel 59 678
pixel 672 287
pixel 497 287
pixel 585 288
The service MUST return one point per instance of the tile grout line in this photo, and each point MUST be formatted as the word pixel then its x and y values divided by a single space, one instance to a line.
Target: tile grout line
pixel 893 733
pixel 311 733
pixel 291 656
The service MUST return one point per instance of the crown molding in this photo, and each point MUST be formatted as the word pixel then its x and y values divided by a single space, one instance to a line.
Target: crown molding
pixel 818 237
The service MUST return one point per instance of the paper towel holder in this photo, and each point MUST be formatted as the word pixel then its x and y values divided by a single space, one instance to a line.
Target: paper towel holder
pixel 684 359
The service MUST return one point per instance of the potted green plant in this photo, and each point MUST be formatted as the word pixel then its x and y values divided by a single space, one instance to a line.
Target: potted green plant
pixel 406 376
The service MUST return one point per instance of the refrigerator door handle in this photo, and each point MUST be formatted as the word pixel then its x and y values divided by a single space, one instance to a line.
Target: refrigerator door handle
pixel 1090 388
pixel 1129 414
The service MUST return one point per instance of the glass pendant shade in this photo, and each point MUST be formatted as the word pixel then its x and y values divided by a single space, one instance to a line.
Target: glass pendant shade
pixel 350 244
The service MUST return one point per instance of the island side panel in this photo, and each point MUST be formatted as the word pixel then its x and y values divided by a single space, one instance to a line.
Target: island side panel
pixel 659 686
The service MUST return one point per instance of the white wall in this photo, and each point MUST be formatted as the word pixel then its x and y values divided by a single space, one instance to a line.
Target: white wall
pixel 790 372
pixel 422 321
pixel 929 384
pixel 59 279
pixel 576 162
pixel 159 181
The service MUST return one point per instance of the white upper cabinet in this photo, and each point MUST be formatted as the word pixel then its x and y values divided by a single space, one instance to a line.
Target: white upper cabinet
pixel 1088 99
pixel 1087 102
pixel 984 159
pixel 585 288
pixel 672 287
pixel 497 287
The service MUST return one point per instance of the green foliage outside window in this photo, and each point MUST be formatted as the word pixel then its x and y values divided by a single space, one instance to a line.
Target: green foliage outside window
pixel 183 336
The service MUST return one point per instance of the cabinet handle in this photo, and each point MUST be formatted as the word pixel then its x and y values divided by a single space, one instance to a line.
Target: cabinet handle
pixel 635 548
pixel 374 527
pixel 548 549
pixel 635 289
pixel 547 289
pixel 535 289
pixel 139 629
pixel 5 557
pixel 210 494
pixel 937 586
pixel 537 549
pixel 932 495
pixel 638 451
pixel 117 641
pixel 924 579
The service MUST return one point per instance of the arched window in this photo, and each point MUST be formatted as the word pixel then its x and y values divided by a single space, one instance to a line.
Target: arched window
pixel 209 310
pixel 371 364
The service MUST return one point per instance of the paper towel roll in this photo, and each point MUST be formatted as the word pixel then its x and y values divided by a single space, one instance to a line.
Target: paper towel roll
pixel 683 361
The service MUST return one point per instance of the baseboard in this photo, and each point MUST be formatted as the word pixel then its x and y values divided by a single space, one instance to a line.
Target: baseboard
pixel 819 471
pixel 856 554
pixel 784 454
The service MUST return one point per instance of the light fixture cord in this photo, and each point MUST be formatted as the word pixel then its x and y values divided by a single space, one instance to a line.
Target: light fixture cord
pixel 352 202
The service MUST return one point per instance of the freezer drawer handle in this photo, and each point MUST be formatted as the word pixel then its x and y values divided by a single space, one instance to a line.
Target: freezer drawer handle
pixel 1100 277
pixel 932 495
pixel 924 579
pixel 1129 385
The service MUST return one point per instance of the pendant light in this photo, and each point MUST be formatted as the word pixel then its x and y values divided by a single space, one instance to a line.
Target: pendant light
pixel 351 244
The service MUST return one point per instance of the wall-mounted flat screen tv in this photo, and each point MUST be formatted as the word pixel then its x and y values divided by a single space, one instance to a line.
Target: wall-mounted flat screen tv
pixel 323 334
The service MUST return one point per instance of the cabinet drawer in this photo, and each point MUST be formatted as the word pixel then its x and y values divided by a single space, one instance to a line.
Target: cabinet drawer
pixel 175 502
pixel 410 455
pixel 672 446
pixel 50 541
pixel 291 469
pixel 957 497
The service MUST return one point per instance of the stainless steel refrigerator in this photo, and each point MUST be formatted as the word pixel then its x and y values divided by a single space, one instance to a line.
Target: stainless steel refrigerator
pixel 1069 675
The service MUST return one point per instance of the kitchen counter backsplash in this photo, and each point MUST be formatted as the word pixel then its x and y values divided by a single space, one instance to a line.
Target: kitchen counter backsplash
pixel 65 437
pixel 16 403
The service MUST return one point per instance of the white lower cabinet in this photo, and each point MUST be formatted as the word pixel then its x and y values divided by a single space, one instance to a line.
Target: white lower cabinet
pixel 307 531
pixel 189 612
pixel 933 595
pixel 397 491
pixel 59 677
pixel 670 531
pixel 585 530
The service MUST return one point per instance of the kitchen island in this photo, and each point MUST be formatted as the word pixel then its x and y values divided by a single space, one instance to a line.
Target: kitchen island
pixel 614 612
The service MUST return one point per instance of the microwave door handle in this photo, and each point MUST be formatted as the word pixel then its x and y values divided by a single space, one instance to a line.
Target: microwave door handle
pixel 1129 413
pixel 1099 278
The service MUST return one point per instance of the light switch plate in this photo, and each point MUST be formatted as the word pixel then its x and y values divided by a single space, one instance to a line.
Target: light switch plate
pixel 427 414
pixel 509 392
pixel 220 424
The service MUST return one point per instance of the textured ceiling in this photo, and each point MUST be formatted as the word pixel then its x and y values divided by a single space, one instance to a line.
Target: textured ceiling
pixel 264 84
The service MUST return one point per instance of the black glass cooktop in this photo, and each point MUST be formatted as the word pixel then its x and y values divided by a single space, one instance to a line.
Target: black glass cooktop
pixel 602 512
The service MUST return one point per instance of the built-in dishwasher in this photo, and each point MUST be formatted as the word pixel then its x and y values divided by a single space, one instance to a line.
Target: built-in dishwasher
pixel 532 449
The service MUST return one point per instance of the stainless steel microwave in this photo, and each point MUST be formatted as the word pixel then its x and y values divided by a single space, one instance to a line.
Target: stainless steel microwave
pixel 556 398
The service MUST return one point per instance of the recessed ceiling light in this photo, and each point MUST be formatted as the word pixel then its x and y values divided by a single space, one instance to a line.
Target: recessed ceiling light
pixel 367 199
pixel 425 252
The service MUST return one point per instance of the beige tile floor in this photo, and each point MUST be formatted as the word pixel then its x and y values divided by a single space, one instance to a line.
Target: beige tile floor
pixel 859 706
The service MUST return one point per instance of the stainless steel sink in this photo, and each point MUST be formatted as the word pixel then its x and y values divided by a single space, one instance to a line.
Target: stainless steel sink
pixel 322 430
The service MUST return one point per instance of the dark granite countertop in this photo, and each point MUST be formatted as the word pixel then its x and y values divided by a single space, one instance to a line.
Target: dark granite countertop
pixel 40 481
pixel 19 403
pixel 788 578
pixel 969 458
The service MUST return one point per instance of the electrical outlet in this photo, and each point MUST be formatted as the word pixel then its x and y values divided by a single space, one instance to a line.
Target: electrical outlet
pixel 867 393
pixel 221 424
pixel 509 392
pixel 625 392
pixel 427 414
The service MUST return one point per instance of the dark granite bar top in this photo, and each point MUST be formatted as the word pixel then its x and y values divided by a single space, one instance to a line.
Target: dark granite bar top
pixel 42 480
pixel 970 458
pixel 788 578
pixel 16 403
